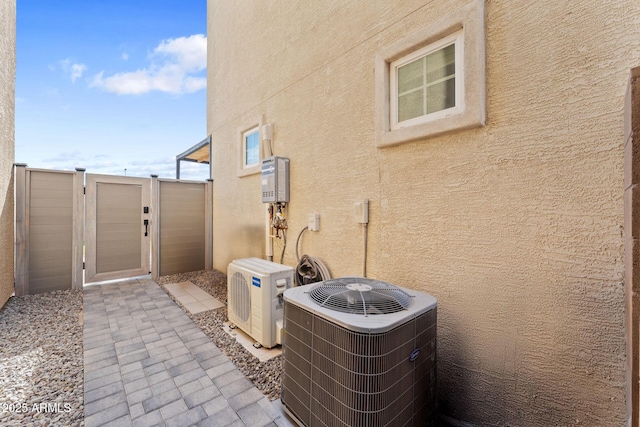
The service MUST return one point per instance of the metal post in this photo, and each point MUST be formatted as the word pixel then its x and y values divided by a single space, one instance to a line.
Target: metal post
pixel 155 227
pixel 77 242
pixel 22 232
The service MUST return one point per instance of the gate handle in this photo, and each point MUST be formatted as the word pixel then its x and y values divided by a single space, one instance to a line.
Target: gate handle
pixel 146 227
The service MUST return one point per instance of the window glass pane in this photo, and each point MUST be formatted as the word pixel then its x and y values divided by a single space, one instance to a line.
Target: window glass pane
pixel 411 76
pixel 427 84
pixel 411 105
pixel 441 64
pixel 251 149
pixel 441 96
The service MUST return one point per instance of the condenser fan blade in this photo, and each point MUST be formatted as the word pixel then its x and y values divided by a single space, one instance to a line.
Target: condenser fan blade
pixel 358 295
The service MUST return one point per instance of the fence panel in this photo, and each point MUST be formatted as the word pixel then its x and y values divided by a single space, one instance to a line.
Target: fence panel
pixel 51 222
pixel 48 237
pixel 182 226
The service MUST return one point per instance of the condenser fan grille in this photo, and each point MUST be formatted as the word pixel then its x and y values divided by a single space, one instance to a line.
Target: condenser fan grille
pixel 240 296
pixel 358 295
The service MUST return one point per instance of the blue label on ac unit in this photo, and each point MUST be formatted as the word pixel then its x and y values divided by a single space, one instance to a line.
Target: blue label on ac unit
pixel 255 281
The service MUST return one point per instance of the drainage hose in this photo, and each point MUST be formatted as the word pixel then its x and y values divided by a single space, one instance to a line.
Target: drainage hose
pixel 311 270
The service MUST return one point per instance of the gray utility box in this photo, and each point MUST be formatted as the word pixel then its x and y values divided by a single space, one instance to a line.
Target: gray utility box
pixel 275 180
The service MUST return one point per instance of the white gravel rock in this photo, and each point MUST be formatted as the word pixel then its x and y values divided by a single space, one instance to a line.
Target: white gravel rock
pixel 41 360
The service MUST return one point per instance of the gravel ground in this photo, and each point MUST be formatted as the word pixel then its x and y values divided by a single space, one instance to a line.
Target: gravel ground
pixel 265 375
pixel 41 353
pixel 41 360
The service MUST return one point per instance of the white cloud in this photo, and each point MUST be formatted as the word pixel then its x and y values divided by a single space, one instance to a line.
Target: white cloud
pixel 175 66
pixel 73 69
pixel 77 70
pixel 125 56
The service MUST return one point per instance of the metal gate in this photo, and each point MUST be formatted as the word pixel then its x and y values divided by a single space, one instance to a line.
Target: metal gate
pixel 117 214
pixel 116 227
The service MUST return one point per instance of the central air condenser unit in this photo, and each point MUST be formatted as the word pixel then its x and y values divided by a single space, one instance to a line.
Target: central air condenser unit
pixel 359 352
pixel 254 298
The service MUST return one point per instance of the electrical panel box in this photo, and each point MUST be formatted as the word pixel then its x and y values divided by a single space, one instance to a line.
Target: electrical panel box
pixel 275 180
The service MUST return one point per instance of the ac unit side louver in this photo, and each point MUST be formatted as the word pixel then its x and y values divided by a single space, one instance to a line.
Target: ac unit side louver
pixel 254 288
pixel 359 352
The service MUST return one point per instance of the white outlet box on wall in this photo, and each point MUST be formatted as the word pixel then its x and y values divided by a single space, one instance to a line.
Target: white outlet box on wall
pixel 314 222
pixel 361 211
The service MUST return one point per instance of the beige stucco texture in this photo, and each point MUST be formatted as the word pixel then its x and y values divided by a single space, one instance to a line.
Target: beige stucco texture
pixel 7 143
pixel 516 227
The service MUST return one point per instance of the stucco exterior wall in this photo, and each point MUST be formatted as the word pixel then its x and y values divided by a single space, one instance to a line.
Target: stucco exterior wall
pixel 7 143
pixel 515 227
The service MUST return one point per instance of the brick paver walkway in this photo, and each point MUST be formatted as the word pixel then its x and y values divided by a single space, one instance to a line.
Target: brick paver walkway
pixel 147 364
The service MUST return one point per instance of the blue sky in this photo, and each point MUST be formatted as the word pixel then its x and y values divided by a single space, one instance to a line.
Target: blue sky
pixel 110 85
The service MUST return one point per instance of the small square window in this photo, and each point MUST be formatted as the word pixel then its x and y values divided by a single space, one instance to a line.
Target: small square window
pixel 251 148
pixel 425 83
pixel 431 81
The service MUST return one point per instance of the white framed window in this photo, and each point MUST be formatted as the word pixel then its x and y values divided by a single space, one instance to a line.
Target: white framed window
pixel 432 81
pixel 250 147
pixel 427 84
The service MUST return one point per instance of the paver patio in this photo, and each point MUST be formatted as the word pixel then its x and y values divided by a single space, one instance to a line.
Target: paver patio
pixel 146 364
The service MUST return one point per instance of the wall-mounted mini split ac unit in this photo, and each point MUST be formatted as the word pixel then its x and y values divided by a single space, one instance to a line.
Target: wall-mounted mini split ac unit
pixel 359 352
pixel 254 298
